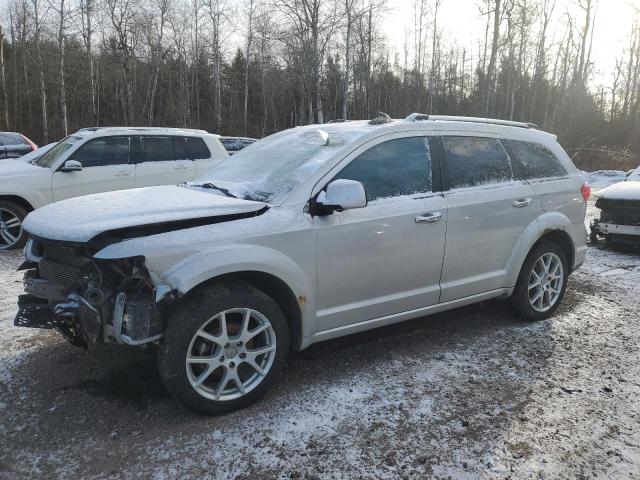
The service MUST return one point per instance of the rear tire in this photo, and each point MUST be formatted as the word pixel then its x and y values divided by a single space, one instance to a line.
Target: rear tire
pixel 209 358
pixel 542 282
pixel 11 234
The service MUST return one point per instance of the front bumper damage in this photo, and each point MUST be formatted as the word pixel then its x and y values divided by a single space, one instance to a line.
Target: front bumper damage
pixel 619 221
pixel 90 301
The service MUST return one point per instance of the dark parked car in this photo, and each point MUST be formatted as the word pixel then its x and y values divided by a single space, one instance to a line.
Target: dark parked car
pixel 235 144
pixel 15 145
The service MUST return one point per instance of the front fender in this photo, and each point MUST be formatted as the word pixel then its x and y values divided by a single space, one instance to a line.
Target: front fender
pixel 547 222
pixel 216 261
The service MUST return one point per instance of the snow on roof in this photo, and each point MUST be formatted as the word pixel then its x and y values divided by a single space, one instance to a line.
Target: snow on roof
pixel 139 130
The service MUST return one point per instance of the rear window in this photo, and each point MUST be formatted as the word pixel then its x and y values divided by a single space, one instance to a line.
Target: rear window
pixel 532 160
pixel 9 138
pixel 196 148
pixel 475 161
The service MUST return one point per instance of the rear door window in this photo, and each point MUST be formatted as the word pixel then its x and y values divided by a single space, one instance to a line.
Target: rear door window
pixel 532 160
pixel 103 151
pixel 473 161
pixel 155 149
pixel 180 148
pixel 393 168
pixel 197 149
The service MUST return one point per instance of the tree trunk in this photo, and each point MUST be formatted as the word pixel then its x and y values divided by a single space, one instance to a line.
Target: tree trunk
pixel 3 83
pixel 246 69
pixel 63 98
pixel 494 54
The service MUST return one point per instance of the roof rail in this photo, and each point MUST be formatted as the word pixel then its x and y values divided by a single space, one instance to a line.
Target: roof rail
pixel 415 117
pixel 142 129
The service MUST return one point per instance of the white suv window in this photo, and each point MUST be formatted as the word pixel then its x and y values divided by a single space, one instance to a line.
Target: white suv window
pixel 103 151
pixel 393 168
pixel 475 161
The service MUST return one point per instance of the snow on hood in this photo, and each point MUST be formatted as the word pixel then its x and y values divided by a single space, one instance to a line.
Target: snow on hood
pixel 629 190
pixel 82 218
pixel 11 167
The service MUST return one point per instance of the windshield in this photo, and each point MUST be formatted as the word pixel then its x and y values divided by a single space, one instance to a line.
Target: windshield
pixel 56 152
pixel 270 169
pixel 635 175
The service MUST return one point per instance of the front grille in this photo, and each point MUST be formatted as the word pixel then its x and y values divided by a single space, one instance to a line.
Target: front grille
pixel 58 272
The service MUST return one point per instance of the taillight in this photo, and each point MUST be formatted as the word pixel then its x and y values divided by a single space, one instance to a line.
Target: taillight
pixel 33 145
pixel 585 190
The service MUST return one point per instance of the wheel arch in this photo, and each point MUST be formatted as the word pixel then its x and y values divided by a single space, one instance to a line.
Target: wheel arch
pixel 278 290
pixel 552 226
pixel 560 237
pixel 18 200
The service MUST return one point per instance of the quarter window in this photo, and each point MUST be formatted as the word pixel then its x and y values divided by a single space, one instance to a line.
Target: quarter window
pixel 475 161
pixel 393 168
pixel 103 151
pixel 532 160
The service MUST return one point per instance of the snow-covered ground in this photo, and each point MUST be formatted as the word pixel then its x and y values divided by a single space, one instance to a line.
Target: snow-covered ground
pixel 472 393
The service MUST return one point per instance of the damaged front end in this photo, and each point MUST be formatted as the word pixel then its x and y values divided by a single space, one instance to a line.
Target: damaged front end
pixel 619 221
pixel 89 300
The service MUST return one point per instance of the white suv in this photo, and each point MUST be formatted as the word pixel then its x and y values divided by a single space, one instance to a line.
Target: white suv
pixel 310 234
pixel 97 160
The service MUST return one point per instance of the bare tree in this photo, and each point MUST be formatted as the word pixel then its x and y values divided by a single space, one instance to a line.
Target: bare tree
pixel 62 10
pixel 3 82
pixel 122 14
pixel 251 7
pixel 86 8
pixel 38 14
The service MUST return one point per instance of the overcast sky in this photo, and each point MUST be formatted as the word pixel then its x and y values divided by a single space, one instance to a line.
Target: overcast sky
pixel 461 23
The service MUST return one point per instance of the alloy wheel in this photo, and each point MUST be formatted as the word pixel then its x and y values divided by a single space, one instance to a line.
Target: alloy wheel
pixel 230 354
pixel 545 282
pixel 10 228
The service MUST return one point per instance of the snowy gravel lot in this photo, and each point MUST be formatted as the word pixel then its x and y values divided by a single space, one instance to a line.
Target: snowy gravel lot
pixel 472 393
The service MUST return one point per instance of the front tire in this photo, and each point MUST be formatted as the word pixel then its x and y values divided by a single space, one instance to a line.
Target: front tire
pixel 223 348
pixel 542 282
pixel 11 234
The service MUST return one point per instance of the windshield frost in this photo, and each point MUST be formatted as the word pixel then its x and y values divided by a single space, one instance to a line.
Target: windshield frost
pixel 52 155
pixel 270 169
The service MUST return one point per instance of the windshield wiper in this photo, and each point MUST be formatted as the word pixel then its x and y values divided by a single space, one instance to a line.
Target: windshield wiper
pixel 226 192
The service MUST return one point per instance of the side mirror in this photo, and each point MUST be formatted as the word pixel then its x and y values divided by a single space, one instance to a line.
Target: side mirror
pixel 71 166
pixel 341 195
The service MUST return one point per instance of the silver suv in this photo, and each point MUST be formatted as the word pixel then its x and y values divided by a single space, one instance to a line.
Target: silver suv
pixel 310 234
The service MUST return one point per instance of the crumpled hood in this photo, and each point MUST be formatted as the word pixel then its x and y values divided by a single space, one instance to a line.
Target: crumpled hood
pixel 628 190
pixel 82 218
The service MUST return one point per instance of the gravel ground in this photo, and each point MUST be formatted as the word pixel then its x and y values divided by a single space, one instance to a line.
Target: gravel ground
pixel 471 393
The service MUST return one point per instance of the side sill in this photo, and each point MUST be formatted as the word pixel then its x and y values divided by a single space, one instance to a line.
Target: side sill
pixel 408 315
